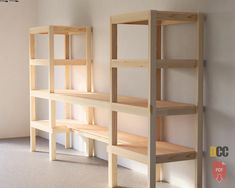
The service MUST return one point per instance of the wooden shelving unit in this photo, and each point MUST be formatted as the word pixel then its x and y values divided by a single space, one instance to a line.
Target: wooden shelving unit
pixel 152 149
pixel 50 126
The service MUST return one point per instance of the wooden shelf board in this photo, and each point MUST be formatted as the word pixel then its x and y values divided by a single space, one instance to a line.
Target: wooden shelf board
pixel 70 62
pixel 43 125
pixel 69 30
pixel 132 146
pixel 39 30
pixel 165 185
pixel 45 62
pixel 39 62
pixel 125 104
pixel 161 63
pixel 166 152
pixel 64 30
pixel 163 17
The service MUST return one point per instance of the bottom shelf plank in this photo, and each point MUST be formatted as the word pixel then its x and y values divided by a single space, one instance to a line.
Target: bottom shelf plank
pixel 165 185
pixel 132 146
pixel 165 152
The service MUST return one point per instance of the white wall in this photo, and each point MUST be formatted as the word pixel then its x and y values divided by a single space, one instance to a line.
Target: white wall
pixel 219 128
pixel 15 20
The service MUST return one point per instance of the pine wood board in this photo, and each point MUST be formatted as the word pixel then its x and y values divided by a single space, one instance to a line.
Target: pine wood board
pixel 66 30
pixel 163 17
pixel 132 145
pixel 125 103
pixel 43 125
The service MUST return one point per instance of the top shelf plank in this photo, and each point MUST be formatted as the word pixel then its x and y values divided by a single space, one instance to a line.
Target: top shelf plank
pixel 60 30
pixel 163 17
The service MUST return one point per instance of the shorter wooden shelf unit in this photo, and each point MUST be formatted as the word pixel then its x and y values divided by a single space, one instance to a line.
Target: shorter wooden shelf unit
pixel 50 126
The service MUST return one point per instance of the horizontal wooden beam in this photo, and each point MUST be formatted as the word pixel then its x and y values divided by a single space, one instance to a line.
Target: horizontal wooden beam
pixel 80 100
pixel 39 30
pixel 39 62
pixel 70 62
pixel 173 22
pixel 44 94
pixel 68 30
pixel 129 63
pixel 176 16
pixel 118 107
pixel 163 17
pixel 45 62
pixel 176 111
pixel 130 17
pixel 43 125
pixel 176 63
pixel 161 63
pixel 64 30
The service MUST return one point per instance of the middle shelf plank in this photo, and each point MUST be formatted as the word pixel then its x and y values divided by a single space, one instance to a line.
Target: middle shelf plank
pixel 125 104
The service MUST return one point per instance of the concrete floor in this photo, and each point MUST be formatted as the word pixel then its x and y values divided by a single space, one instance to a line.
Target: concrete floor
pixel 20 168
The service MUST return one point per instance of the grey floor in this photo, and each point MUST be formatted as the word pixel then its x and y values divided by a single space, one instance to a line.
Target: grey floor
pixel 20 168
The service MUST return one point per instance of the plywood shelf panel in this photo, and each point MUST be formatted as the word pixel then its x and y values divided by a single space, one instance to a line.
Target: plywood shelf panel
pixel 125 104
pixel 166 152
pixel 133 146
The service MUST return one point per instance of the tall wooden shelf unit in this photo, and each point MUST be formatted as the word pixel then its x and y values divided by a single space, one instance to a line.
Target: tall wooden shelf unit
pixel 148 150
pixel 51 126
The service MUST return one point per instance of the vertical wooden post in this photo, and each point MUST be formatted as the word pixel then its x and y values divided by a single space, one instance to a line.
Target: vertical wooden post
pixel 159 97
pixel 200 54
pixel 52 146
pixel 88 58
pixel 67 109
pixel 113 98
pixel 52 104
pixel 32 80
pixel 152 100
pixel 90 110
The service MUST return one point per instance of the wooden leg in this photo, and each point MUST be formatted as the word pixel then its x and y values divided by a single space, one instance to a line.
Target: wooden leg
pixel 90 147
pixel 199 172
pixel 32 139
pixel 52 146
pixel 112 170
pixel 67 139
pixel 158 172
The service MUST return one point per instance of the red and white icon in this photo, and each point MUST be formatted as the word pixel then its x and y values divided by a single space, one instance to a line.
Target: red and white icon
pixel 219 171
